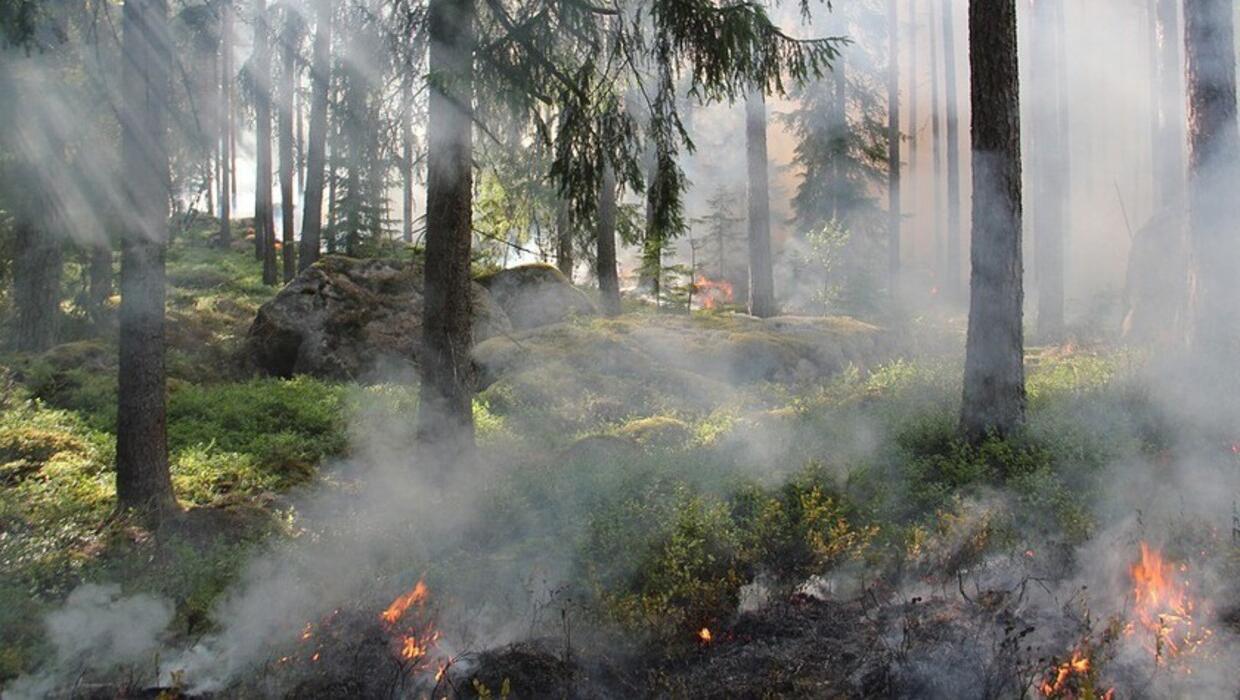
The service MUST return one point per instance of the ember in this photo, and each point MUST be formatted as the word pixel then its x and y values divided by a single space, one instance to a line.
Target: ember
pixel 714 292
pixel 704 635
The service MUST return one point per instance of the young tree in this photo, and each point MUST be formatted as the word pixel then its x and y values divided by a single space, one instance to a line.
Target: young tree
pixel 37 267
pixel 761 272
pixel 1214 162
pixel 564 240
pixel 994 373
pixel 406 165
pixel 143 482
pixel 316 157
pixel 289 40
pixel 953 152
pixel 445 414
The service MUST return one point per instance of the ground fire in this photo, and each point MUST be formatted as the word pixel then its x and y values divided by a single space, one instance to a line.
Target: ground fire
pixel 713 292
pixel 1163 610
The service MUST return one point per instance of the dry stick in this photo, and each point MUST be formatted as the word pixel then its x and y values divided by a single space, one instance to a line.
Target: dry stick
pixel 1123 210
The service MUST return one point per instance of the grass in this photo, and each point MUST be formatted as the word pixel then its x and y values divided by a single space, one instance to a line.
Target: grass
pixel 696 488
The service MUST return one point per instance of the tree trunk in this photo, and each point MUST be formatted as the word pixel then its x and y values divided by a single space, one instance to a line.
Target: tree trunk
pixel 226 126
pixel 936 142
pixel 839 131
pixel 143 482
pixel 445 416
pixel 953 152
pixel 761 274
pixel 37 268
pixel 608 277
pixel 264 216
pixel 1170 137
pixel 912 86
pixel 316 157
pixel 652 247
pixel 1050 176
pixel 564 240
pixel 1214 159
pixel 100 278
pixel 994 374
pixel 893 147
pixel 407 164
pixel 285 122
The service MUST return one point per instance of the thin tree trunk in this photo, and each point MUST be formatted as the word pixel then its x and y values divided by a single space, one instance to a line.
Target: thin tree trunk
pixel 37 268
pixel 936 142
pixel 226 127
pixel 913 92
pixel 285 122
pixel 608 277
pixel 1169 148
pixel 893 147
pixel 839 132
pixel 143 482
pixel 953 152
pixel 264 215
pixel 1214 159
pixel 100 278
pixel 761 274
pixel 994 374
pixel 445 423
pixel 652 246
pixel 316 158
pixel 1051 174
pixel 564 240
pixel 407 164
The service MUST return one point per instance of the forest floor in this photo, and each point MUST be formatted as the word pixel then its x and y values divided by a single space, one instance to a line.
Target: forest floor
pixel 824 538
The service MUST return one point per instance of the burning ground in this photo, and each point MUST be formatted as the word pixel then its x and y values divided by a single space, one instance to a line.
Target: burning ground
pixel 652 517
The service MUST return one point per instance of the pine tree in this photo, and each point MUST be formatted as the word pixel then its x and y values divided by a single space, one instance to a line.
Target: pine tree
pixel 316 157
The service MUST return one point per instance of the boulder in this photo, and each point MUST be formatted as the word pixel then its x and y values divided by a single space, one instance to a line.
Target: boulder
pixel 537 295
pixel 347 318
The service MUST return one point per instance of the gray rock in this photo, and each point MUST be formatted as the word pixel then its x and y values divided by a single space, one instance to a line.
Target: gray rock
pixel 348 318
pixel 537 295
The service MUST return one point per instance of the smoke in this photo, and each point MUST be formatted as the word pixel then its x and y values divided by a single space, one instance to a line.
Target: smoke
pixel 97 629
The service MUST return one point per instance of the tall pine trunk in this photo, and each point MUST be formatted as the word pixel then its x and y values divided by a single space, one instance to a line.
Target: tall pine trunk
pixel 761 273
pixel 143 482
pixel 37 268
pixel 605 258
pixel 913 92
pixel 1169 146
pixel 893 147
pixel 994 373
pixel 564 240
pixel 1051 174
pixel 1213 207
pixel 445 416
pixel 226 126
pixel 952 146
pixel 288 86
pixel 316 156
pixel 936 143
pixel 406 169
pixel 264 216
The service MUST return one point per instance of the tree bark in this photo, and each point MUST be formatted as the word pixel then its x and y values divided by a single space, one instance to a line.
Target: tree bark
pixel 143 482
pixel 37 269
pixel 1214 162
pixel 564 240
pixel 316 156
pixel 893 147
pixel 1051 172
pixel 445 416
pixel 761 273
pixel 994 374
pixel 608 277
pixel 953 152
pixel 285 124
pixel 226 126
pixel 264 216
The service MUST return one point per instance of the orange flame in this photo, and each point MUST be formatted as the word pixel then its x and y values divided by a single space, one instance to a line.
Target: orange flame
pixel 713 292
pixel 1163 606
pixel 704 635
pixel 415 596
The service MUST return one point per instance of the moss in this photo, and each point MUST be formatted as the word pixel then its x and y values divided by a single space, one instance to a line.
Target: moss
pixel 656 430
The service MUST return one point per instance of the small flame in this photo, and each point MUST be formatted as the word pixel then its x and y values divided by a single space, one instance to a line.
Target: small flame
pixel 1070 678
pixel 307 632
pixel 713 292
pixel 704 635
pixel 415 596
pixel 1163 606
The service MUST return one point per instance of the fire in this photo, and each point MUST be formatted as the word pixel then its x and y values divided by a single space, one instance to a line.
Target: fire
pixel 1163 607
pixel 713 292
pixel 1073 679
pixel 704 635
pixel 415 596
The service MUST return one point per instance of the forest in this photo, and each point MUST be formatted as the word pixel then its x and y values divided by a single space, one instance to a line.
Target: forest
pixel 619 348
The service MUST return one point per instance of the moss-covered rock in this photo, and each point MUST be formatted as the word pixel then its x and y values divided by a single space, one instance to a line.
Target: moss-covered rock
pixel 536 295
pixel 348 318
